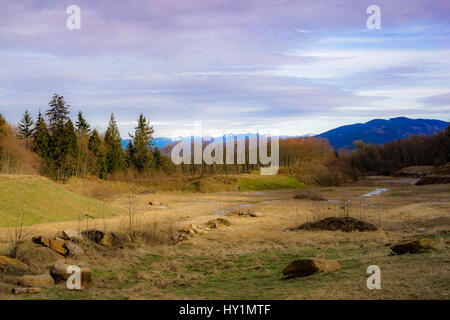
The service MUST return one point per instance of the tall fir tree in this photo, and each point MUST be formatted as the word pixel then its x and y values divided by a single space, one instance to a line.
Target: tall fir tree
pixel 58 113
pixel 41 138
pixel 142 143
pixel 115 157
pixel 26 126
pixel 97 148
pixel 70 139
pixel 82 126
pixel 157 158
pixel 129 153
pixel 102 162
pixel 94 142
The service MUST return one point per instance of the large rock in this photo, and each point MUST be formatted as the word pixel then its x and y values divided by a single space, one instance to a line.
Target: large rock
pixel 70 234
pixel 56 244
pixel 74 250
pixel 255 214
pixel 121 239
pixel 42 280
pixel 413 246
pixel 109 239
pixel 59 273
pixel 306 267
pixel 93 235
pixel 116 239
pixel 86 276
pixel 7 263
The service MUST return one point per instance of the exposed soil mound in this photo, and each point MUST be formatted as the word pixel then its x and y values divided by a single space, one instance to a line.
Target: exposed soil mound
pixel 346 224
pixel 439 175
pixel 414 171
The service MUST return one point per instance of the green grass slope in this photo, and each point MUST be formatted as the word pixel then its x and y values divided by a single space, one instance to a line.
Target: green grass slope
pixel 44 201
pixel 258 182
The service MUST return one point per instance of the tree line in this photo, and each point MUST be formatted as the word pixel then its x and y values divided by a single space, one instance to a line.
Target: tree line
pixel 67 149
pixel 386 159
pixel 54 146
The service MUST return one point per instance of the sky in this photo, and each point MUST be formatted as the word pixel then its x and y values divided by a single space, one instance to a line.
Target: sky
pixel 299 67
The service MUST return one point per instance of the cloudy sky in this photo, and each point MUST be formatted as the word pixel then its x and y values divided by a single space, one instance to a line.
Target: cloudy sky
pixel 235 65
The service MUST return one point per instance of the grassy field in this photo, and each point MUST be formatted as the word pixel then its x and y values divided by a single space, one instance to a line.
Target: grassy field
pixel 245 259
pixel 44 201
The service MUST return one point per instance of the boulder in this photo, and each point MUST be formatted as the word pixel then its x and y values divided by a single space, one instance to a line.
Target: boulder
pixel 93 235
pixel 413 246
pixel 86 276
pixel 74 250
pixel 56 244
pixel 115 239
pixel 59 273
pixel 121 239
pixel 70 234
pixel 109 239
pixel 7 263
pixel 59 245
pixel 41 280
pixel 306 267
pixel 31 290
pixel 255 214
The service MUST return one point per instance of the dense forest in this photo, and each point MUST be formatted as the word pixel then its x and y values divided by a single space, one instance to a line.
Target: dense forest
pixel 54 146
pixel 390 157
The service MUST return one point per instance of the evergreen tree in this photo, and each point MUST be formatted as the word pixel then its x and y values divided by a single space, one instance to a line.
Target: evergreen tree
pixel 142 142
pixel 97 148
pixel 64 150
pixel 157 158
pixel 26 125
pixel 102 162
pixel 58 112
pixel 115 157
pixel 83 127
pixel 94 142
pixel 41 138
pixel 129 153
pixel 70 139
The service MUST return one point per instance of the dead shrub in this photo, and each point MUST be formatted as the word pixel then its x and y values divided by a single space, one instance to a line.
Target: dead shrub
pixel 16 157
pixel 157 231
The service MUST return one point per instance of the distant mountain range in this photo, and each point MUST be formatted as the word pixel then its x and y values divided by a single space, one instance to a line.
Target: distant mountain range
pixel 377 131
pixel 380 131
pixel 159 142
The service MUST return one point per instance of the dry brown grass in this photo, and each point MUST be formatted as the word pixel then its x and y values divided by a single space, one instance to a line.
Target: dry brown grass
pixel 155 268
